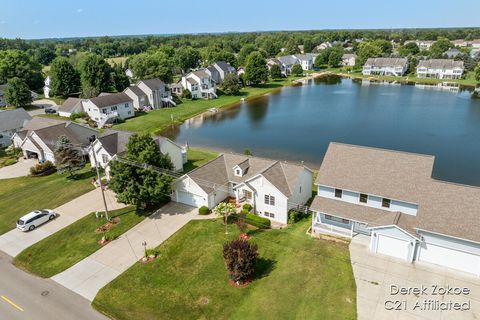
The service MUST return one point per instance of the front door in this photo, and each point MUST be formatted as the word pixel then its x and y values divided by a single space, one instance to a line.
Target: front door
pixel 361 228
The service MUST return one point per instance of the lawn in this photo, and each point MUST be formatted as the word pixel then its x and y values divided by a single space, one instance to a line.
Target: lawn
pixel 18 196
pixel 117 60
pixel 296 277
pixel 6 160
pixel 68 246
pixel 156 121
pixel 197 158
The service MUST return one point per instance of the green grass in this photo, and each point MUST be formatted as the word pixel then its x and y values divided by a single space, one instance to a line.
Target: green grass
pixel 197 158
pixel 117 60
pixel 296 277
pixel 18 196
pixel 7 160
pixel 156 121
pixel 70 245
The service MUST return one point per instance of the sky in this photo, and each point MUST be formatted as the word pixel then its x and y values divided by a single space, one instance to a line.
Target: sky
pixel 34 19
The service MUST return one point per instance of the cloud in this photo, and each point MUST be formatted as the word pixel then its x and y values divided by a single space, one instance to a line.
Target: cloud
pixel 79 10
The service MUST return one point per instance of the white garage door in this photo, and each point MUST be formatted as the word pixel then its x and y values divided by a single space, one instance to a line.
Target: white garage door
pixel 392 247
pixel 450 258
pixel 190 199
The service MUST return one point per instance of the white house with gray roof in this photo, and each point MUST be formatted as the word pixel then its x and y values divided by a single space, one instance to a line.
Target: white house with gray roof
pixel 440 69
pixel 222 68
pixel 385 66
pixel 391 197
pixel 150 93
pixel 272 187
pixel 108 107
pixel 201 84
pixel 11 121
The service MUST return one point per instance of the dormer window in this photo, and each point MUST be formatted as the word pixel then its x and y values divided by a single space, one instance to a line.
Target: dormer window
pixel 238 172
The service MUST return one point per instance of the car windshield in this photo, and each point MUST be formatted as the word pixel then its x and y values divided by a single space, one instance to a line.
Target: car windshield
pixel 20 222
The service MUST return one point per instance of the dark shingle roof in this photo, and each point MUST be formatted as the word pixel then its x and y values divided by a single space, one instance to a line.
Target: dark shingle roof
pixel 154 84
pixel 136 90
pixel 115 142
pixel 13 119
pixel 111 99
pixel 70 104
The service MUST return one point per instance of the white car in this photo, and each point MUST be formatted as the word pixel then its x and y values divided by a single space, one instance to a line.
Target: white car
pixel 35 218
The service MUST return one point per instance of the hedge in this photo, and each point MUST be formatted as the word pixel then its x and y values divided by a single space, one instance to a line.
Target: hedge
pixel 257 221
pixel 203 210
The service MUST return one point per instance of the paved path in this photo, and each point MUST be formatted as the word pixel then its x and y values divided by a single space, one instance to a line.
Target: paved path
pixel 92 273
pixel 19 169
pixel 15 241
pixel 42 104
pixel 26 297
pixel 375 274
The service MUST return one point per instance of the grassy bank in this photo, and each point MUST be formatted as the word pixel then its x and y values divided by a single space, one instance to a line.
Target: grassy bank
pixel 18 196
pixel 197 158
pixel 156 121
pixel 189 279
pixel 75 242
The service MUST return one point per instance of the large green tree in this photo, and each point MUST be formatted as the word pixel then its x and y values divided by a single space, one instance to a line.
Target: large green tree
pixel 137 185
pixel 95 74
pixel 244 52
pixel 17 94
pixel 119 78
pixel 231 84
pixel 187 58
pixel 477 73
pixel 68 157
pixel 335 57
pixel 256 70
pixel 64 79
pixel 15 63
pixel 275 72
pixel 367 50
pixel 44 55
pixel 152 65
pixel 439 47
pixel 408 49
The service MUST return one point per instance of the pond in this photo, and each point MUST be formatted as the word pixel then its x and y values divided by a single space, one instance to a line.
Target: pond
pixel 297 124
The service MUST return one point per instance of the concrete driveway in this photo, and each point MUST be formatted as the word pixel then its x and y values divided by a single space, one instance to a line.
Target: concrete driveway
pixel 19 169
pixel 15 241
pixel 94 272
pixel 375 274
pixel 42 104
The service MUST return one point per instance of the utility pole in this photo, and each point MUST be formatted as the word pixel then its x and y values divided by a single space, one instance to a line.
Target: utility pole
pixel 99 180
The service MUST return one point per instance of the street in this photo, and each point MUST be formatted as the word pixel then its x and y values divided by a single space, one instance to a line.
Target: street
pixel 25 297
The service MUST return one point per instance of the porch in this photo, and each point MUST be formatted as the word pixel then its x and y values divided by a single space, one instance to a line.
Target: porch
pixel 334 225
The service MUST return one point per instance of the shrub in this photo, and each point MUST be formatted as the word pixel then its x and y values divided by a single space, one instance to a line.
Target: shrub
pixel 248 207
pixel 77 115
pixel 257 221
pixel 240 257
pixel 12 151
pixel 203 210
pixel 297 70
pixel 42 169
pixel 151 252
pixel 186 94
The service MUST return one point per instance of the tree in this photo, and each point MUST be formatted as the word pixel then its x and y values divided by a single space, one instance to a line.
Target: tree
pixel 152 65
pixel 297 70
pixel 119 78
pixel 186 94
pixel 335 57
pixel 256 70
pixel 244 53
pixel 275 72
pixel 410 48
pixel 17 93
pixel 44 55
pixel 141 186
pixel 322 57
pixel 67 156
pixel 477 73
pixel 240 257
pixel 384 45
pixel 439 47
pixel 15 63
pixel 95 73
pixel 308 45
pixel 65 80
pixel 224 209
pixel 187 58
pixel 230 84
pixel 367 50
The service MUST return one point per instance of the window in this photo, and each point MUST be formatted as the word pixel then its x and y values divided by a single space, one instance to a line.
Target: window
pixel 338 193
pixel 114 108
pixel 336 219
pixel 269 200
pixel 247 194
pixel 300 189
pixel 363 198
pixel 237 173
pixel 386 203
pixel 269 214
pixel 129 112
pixel 126 105
pixel 104 158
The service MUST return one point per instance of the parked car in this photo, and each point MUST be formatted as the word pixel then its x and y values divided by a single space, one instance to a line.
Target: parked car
pixel 50 110
pixel 35 218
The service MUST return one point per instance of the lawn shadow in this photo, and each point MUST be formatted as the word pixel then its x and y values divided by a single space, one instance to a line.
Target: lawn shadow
pixel 263 267
pixel 83 175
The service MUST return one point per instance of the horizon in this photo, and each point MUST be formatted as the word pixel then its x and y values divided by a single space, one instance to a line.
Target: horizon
pixel 88 20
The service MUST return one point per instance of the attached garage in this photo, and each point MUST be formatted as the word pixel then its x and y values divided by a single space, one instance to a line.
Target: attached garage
pixel 393 241
pixel 397 248
pixel 191 199
pixel 186 191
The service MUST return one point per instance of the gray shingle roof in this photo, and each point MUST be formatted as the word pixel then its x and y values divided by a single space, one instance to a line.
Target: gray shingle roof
pixel 440 64
pixel 13 119
pixel 115 142
pixel 136 90
pixel 288 60
pixel 386 62
pixel 225 66
pixel 154 84
pixel 111 99
pixel 70 105
pixel 77 134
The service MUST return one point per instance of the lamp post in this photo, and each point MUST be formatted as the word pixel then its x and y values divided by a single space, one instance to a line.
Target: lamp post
pixel 144 244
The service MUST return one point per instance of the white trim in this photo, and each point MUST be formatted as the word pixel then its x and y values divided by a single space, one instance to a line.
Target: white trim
pixel 394 225
pixel 446 235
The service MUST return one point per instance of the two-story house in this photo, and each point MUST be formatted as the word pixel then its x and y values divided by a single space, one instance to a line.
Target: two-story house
pixel 271 187
pixel 150 93
pixel 390 198
pixel 200 84
pixel 11 121
pixel 440 69
pixel 108 107
pixel 349 59
pixel 219 70
pixel 385 66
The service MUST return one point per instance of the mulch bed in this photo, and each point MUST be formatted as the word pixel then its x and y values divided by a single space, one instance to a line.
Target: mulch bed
pixel 103 243
pixel 235 285
pixel 148 260
pixel 107 226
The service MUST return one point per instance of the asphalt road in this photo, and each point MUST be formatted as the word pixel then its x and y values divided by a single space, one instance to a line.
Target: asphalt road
pixel 26 297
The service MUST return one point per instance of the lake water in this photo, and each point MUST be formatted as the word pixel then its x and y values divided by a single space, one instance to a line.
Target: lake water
pixel 297 124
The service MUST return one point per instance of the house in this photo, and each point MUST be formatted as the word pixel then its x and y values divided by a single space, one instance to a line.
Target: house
pixel 223 68
pixel 349 59
pixel 114 143
pixel 306 60
pixel 323 46
pixel 390 198
pixel 440 69
pixel 467 43
pixel 129 73
pixel 46 87
pixel 11 121
pixel 200 84
pixel 271 187
pixel 151 93
pixel 3 102
pixel 177 88
pixel 287 63
pixel 69 106
pixel 385 66
pixel 275 61
pixel 301 48
pixel 38 138
pixel 108 107
pixel 422 44
pixel 452 53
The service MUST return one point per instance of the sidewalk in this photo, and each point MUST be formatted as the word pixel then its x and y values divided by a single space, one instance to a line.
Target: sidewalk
pixel 15 241
pixel 92 273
